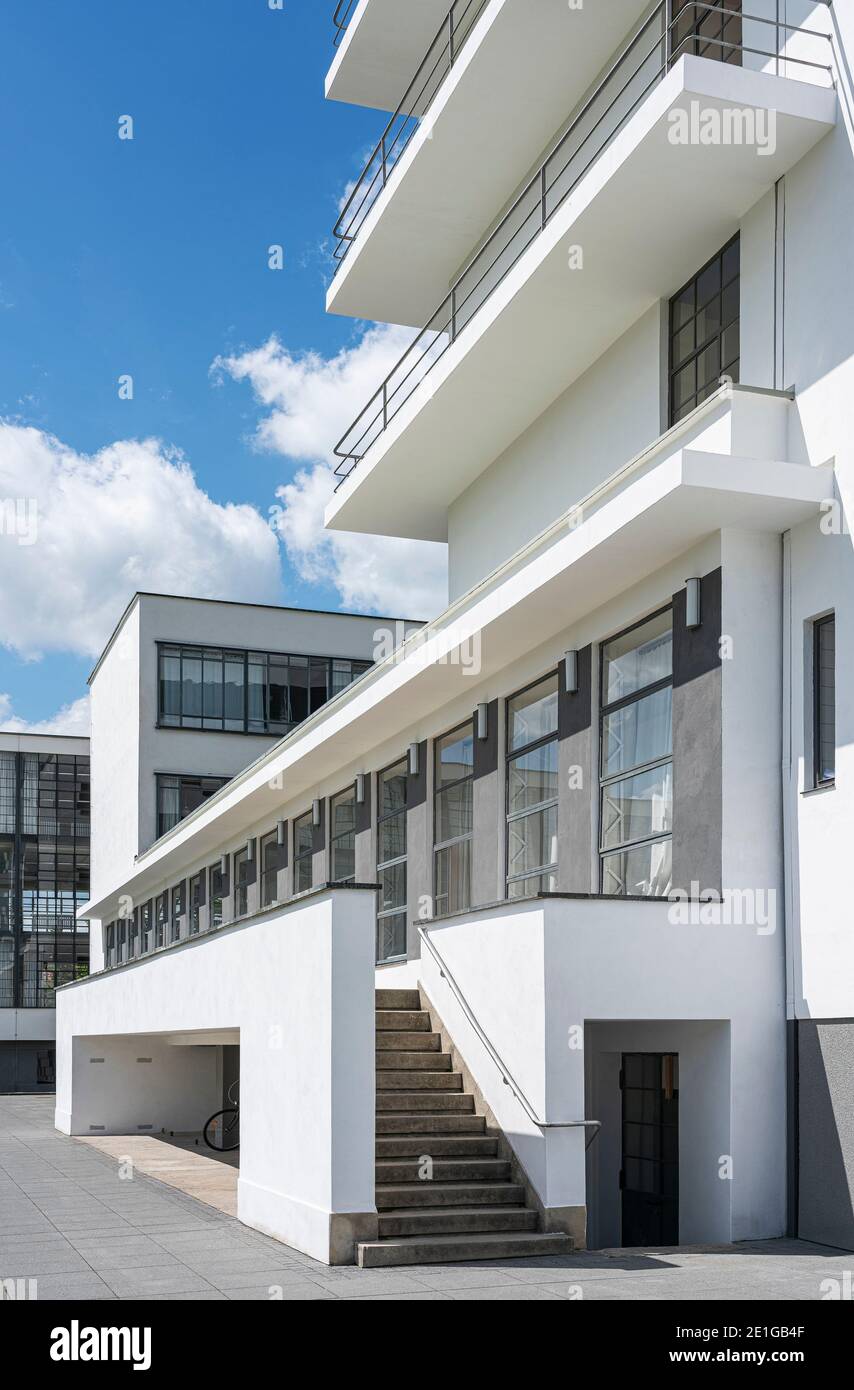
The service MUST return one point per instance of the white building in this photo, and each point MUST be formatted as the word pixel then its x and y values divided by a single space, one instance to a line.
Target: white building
pixel 606 793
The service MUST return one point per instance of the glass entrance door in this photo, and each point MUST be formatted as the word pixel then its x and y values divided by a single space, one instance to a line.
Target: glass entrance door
pixel 649 1177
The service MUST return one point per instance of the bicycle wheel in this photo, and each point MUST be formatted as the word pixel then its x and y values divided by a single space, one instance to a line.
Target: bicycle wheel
pixel 222 1131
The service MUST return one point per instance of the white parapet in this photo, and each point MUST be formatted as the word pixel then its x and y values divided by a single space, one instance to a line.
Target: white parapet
pixel 295 987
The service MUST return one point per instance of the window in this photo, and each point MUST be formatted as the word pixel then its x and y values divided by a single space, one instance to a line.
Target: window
pixel 270 869
pixel 391 862
pixel 636 801
pixel 704 332
pixel 178 796
pixel 706 32
pixel 160 919
pixel 241 881
pixel 197 897
pixel 342 836
pixel 453 796
pixel 824 700
pixel 110 946
pixel 147 927
pixel 121 947
pixel 303 853
pixel 179 907
pixel 217 893
pixel 246 692
pixel 532 786
pixel 133 934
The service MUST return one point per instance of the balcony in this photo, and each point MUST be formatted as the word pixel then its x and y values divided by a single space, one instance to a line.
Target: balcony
pixel 525 320
pixel 376 53
pixel 491 89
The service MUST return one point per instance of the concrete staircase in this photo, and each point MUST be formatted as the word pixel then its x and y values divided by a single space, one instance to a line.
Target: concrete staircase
pixel 444 1190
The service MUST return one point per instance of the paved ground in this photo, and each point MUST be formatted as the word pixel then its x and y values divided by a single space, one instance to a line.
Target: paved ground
pixel 184 1163
pixel 70 1221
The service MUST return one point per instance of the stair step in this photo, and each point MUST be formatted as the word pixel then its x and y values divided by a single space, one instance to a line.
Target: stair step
pixel 438 1146
pixel 391 1196
pixel 419 1081
pixel 419 1101
pixel 450 1221
pixel 413 1061
pixel 395 1041
pixel 419 1126
pixel 398 999
pixel 403 1020
pixel 397 1170
pixel 414 1250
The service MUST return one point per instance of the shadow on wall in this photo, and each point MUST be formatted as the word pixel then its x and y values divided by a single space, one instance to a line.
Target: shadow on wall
pixel 826 1124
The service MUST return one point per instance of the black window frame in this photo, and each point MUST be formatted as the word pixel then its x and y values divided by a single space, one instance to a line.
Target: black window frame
pixel 717 34
pixel 195 902
pixel 624 774
pixel 269 874
pixel 177 909
pixel 511 756
pixel 340 839
pixel 675 366
pixel 217 893
pixel 820 627
pixel 384 914
pixel 467 729
pixel 305 856
pixel 251 658
pixel 241 869
pixel 163 782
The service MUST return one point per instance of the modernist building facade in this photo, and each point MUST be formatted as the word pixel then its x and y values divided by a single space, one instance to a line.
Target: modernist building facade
pixel 583 830
pixel 44 881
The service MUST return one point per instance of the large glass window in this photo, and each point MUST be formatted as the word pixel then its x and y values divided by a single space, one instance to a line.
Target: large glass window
pixel 197 893
pixel 178 796
pixel 342 836
pixel 147 927
pixel 246 692
pixel 391 862
pixel 704 332
pixel 532 788
pixel 161 919
pixel 636 763
pixel 452 820
pixel 270 856
pixel 179 907
pixel 303 853
pixel 216 885
pixel 708 30
pixel 824 700
pixel 241 882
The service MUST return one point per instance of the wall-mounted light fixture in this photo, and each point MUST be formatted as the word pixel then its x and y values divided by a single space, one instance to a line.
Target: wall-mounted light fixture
pixel 693 612
pixel 360 789
pixel 571 672
pixel 413 760
pixel 223 865
pixel 281 832
pixel 483 722
pixel 315 814
pixel 250 850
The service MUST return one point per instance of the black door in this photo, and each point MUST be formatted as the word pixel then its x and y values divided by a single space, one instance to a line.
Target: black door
pixel 650 1174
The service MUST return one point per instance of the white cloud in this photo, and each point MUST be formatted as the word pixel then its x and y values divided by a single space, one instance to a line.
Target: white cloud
pixel 72 719
pixel 310 401
pixel 80 533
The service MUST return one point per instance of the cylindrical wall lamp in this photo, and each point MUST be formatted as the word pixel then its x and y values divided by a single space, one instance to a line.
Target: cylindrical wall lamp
pixel 693 611
pixel 360 789
pixel 315 814
pixel 223 865
pixel 250 850
pixel 571 672
pixel 483 722
pixel 281 832
pixel 413 760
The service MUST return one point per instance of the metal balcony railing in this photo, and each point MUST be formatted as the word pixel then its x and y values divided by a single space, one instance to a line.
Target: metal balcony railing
pixel 440 58
pixel 341 18
pixel 660 41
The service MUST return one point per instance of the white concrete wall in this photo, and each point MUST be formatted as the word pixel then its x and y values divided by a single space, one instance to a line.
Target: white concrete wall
pixel 535 975
pixel 299 986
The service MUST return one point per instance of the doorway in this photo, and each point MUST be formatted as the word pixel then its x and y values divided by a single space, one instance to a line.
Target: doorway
pixel 649 1176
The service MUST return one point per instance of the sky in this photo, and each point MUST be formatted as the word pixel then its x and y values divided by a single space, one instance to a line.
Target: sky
pixel 168 401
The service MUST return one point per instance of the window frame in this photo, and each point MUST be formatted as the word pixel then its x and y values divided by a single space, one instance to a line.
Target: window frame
pixel 819 781
pixel 240 861
pixel 468 838
pixel 672 333
pixel 177 909
pixel 195 902
pixel 220 896
pixel 625 774
pixel 384 913
pixel 271 839
pixel 510 756
pixel 349 791
pixel 160 781
pixel 302 856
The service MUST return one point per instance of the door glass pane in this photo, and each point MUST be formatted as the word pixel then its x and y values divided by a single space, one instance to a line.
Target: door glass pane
pixel 638 733
pixel 643 872
pixel 533 714
pixel 532 842
pixel 532 778
pixel 454 812
pixel 638 658
pixel 638 807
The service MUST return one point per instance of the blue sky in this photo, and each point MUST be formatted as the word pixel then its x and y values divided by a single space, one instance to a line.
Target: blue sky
pixel 149 256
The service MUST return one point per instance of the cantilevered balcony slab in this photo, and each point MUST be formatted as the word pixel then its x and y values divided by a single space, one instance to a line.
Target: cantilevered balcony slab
pixel 382 46
pixel 646 215
pixel 514 84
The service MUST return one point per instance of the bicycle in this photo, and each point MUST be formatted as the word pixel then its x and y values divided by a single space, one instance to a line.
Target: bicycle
pixel 222 1130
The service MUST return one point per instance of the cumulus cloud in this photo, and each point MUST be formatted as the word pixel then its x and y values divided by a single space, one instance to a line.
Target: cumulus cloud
pixel 72 719
pixel 80 533
pixel 309 401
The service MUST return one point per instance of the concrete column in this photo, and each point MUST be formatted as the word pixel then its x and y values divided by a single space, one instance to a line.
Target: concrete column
pixel 697 767
pixel 578 778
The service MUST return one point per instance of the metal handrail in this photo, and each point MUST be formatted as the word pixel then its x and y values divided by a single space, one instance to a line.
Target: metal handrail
pixel 432 71
pixel 536 205
pixel 506 1075
pixel 341 18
